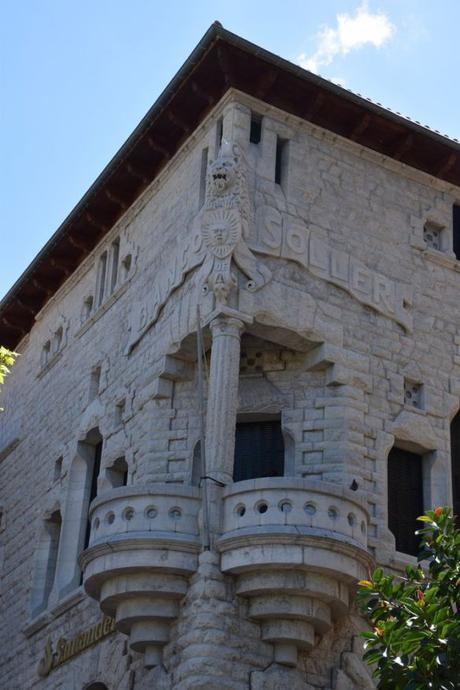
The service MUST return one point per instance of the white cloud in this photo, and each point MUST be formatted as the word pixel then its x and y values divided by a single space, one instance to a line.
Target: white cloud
pixel 353 31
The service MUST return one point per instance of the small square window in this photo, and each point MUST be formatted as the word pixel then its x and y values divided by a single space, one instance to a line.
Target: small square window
pixel 413 394
pixel 433 234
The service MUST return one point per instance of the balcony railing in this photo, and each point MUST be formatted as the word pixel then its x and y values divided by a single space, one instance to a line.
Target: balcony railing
pixel 295 546
pixel 143 547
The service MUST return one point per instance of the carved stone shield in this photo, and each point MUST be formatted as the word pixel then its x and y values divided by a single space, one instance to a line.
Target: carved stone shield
pixel 221 231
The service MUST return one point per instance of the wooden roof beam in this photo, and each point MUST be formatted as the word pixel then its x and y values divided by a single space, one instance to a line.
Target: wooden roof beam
pixel 403 146
pixel 59 264
pixel 26 307
pixel 447 164
pixel 42 288
pixel 359 129
pixel 172 117
pixel 315 105
pixel 198 91
pixel 158 148
pixel 77 245
pixel 136 173
pixel 225 65
pixel 266 83
pixel 91 220
pixel 116 199
pixel 16 320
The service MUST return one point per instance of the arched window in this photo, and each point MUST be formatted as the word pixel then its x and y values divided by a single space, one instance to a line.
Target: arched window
pixel 259 449
pixel 455 459
pixel 94 474
pixel 45 562
pixel 405 498
pixel 96 686
pixel 82 489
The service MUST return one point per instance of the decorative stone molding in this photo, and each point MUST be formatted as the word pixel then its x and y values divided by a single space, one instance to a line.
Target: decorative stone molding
pixel 412 427
pixel 143 546
pixel 225 226
pixel 341 366
pixel 295 547
pixel 160 385
pixel 287 237
pixel 118 273
pixel 217 240
pixel 52 349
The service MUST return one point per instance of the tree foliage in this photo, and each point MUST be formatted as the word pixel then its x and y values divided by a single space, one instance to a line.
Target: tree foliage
pixel 415 644
pixel 6 361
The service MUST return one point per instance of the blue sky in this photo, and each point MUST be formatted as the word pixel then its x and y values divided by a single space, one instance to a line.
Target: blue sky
pixel 76 78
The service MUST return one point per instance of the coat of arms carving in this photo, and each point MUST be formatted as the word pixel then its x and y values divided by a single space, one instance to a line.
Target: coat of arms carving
pixel 225 221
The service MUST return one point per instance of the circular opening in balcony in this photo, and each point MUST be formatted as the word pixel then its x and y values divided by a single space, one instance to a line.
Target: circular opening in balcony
pixel 175 513
pixel 96 523
pixel 128 513
pixel 351 519
pixel 285 506
pixel 240 510
pixel 310 508
pixel 110 518
pixel 261 507
pixel 333 513
pixel 151 512
pixel 363 527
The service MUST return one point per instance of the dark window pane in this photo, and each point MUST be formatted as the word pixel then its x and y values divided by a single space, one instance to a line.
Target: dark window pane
pixel 279 160
pixel 259 450
pixel 256 131
pixel 405 498
pixel 93 489
pixel 455 455
pixel 456 230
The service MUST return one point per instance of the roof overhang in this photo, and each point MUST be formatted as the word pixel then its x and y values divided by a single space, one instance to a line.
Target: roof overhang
pixel 220 61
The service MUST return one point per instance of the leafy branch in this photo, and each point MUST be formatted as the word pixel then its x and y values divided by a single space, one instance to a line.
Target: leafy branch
pixel 415 644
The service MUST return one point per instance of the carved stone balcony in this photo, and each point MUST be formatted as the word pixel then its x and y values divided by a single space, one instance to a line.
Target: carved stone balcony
pixel 295 546
pixel 143 547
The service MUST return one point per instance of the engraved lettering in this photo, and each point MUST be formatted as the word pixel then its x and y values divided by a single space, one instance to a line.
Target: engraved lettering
pixel 319 255
pixel 339 265
pixel 65 649
pixel 384 293
pixel 296 238
pixel 360 279
pixel 269 225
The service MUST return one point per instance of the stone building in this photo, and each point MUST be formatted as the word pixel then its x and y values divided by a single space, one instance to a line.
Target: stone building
pixel 315 238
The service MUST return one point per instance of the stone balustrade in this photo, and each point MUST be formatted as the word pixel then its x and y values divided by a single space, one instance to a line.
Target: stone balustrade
pixel 143 547
pixel 295 546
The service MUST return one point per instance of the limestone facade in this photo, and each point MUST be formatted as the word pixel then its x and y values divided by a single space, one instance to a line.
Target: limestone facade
pixel 322 303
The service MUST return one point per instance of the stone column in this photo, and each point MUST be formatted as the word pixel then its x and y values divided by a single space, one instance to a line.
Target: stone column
pixel 223 397
pixel 221 411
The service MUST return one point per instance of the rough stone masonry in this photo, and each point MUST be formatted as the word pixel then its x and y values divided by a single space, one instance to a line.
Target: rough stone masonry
pixel 326 314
